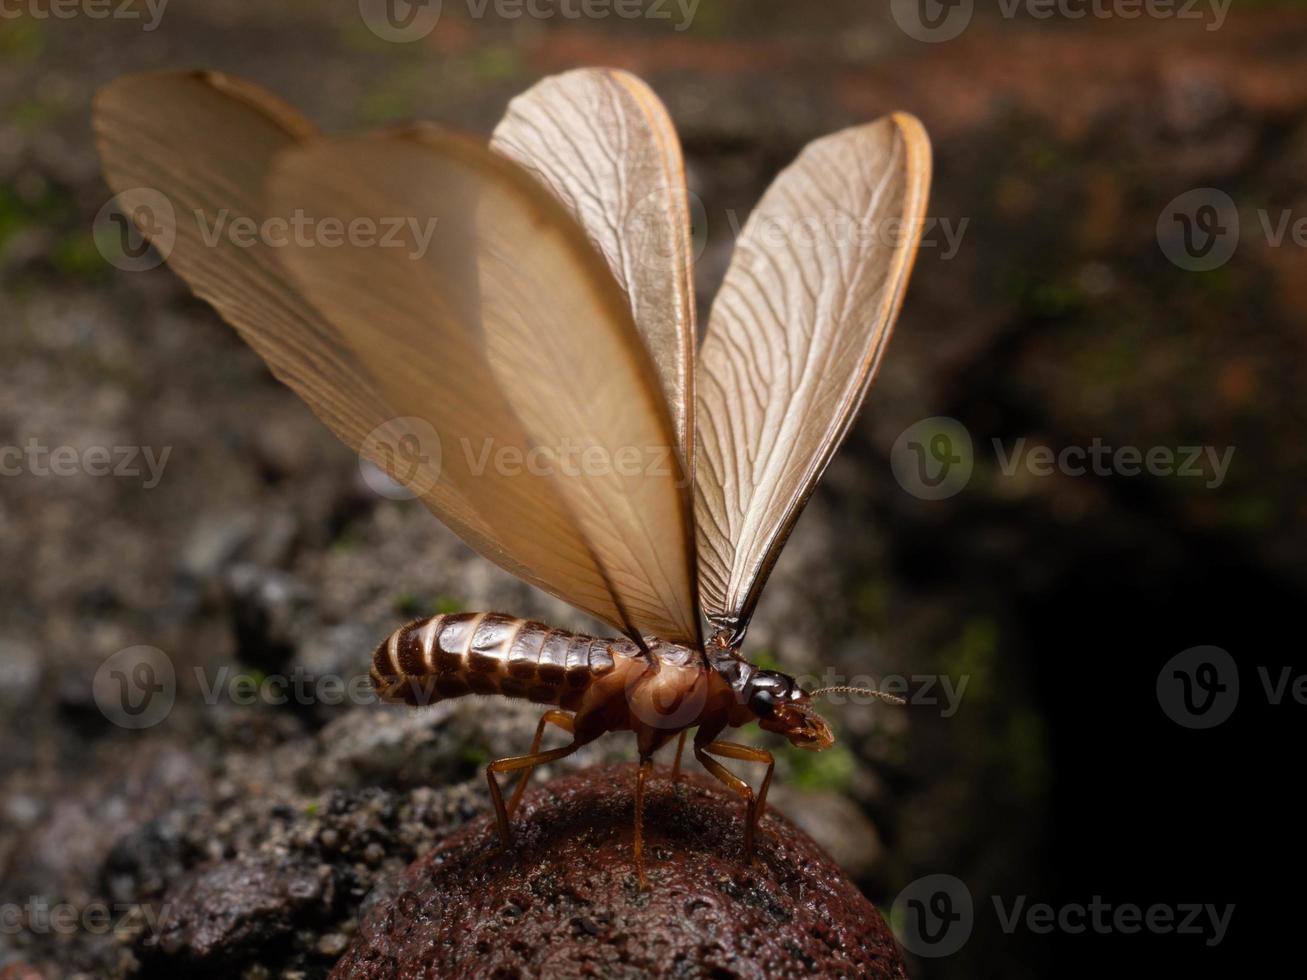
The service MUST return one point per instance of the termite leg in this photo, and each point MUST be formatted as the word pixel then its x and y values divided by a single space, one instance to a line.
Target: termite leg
pixel 754 806
pixel 560 718
pixel 512 765
pixel 646 765
pixel 680 747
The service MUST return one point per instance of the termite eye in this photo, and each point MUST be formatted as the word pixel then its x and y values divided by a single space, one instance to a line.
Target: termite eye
pixel 762 703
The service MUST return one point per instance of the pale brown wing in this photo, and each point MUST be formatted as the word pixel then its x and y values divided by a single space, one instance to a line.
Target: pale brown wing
pixel 602 142
pixel 794 340
pixel 499 323
pixel 207 142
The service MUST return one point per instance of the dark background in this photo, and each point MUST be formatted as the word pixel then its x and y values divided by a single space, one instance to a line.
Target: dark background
pixel 1059 598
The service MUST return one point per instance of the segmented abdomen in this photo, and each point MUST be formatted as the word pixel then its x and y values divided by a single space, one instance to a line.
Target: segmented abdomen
pixel 489 653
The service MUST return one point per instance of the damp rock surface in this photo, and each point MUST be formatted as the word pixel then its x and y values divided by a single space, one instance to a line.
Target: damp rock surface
pixel 563 900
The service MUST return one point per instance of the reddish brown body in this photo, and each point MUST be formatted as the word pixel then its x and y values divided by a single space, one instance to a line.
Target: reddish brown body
pixel 610 684
pixel 598 686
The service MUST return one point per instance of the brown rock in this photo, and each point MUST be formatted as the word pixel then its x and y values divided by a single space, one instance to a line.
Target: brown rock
pixel 563 900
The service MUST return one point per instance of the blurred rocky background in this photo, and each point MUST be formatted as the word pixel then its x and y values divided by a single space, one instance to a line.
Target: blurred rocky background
pixel 244 830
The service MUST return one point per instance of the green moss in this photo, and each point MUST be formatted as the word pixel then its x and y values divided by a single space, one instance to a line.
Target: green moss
pixel 77 257
pixel 32 114
pixel 710 20
pixel 407 604
pixel 474 755
pixel 355 35
pixel 871 603
pixel 350 537
pixel 386 105
pixel 1253 512
pixel 495 63
pixel 51 207
pixel 973 655
pixel 1026 747
pixel 21 41
pixel 830 770
pixel 444 605
pixel 765 659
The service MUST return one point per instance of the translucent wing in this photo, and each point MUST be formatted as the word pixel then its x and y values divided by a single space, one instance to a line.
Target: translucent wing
pixel 411 341
pixel 498 322
pixel 602 142
pixel 794 340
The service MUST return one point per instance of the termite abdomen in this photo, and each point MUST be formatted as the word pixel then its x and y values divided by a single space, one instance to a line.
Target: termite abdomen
pixel 450 656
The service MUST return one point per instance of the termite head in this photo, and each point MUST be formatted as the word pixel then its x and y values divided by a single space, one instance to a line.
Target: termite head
pixel 781 706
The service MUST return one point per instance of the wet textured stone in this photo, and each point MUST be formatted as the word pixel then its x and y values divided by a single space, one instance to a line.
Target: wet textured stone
pixel 563 900
pixel 224 914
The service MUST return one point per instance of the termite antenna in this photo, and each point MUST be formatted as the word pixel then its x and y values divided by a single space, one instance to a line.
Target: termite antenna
pixel 869 692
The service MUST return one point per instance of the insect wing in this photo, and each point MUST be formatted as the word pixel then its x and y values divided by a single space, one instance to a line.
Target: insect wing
pixel 794 339
pixel 207 142
pixel 499 323
pixel 603 144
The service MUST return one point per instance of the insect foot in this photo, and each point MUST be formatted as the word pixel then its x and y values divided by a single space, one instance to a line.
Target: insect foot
pixel 563 899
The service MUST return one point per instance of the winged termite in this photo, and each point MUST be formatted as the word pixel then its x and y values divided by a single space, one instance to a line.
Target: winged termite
pixel 535 320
